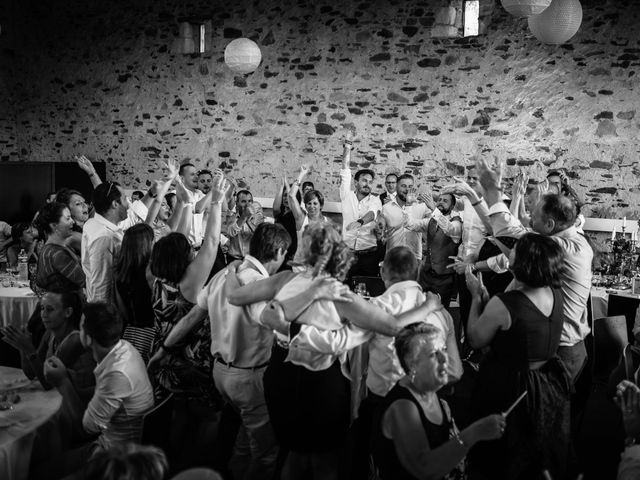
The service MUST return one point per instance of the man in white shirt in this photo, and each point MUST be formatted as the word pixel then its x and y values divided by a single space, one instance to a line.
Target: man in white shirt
pixel 241 344
pixel 554 215
pixel 243 225
pixel 102 237
pixel 393 214
pixel 390 185
pixel 189 178
pixel 123 391
pixel 359 210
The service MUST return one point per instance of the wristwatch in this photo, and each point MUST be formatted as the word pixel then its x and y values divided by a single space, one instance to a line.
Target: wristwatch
pixel 474 268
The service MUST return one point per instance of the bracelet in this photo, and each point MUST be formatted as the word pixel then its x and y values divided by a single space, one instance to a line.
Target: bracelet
pixel 152 195
pixel 360 221
pixel 458 439
pixel 477 202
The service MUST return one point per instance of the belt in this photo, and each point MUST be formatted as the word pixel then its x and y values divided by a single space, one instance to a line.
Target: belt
pixel 365 251
pixel 231 365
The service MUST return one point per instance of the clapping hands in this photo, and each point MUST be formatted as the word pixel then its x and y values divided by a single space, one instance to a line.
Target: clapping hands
pixel 219 187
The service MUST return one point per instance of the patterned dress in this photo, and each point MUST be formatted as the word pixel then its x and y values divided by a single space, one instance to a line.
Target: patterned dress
pixel 188 369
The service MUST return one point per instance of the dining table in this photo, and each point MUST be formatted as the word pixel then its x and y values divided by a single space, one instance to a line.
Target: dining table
pixel 17 303
pixel 35 410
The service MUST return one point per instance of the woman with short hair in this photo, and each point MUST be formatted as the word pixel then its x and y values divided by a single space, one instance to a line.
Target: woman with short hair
pixel 523 328
pixel 415 436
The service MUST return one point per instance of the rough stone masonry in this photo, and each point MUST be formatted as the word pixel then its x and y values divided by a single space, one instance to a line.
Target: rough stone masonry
pixel 100 78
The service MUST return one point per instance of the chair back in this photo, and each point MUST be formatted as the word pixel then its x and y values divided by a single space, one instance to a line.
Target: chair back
pixel 156 424
pixel 609 340
pixel 375 285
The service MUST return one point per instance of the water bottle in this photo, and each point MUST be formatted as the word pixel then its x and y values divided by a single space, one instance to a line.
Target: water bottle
pixel 23 267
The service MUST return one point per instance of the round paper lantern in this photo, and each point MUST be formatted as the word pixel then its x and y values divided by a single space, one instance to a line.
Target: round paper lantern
pixel 525 8
pixel 242 55
pixel 558 23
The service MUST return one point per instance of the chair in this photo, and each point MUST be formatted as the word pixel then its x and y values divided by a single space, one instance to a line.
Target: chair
pixel 375 285
pixel 609 340
pixel 156 424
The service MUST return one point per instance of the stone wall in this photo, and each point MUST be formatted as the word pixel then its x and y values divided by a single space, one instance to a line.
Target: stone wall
pixel 100 78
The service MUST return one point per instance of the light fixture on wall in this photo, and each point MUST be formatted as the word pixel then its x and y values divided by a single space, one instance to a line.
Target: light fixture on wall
pixel 242 55
pixel 558 23
pixel 525 8
pixel 193 37
pixel 461 18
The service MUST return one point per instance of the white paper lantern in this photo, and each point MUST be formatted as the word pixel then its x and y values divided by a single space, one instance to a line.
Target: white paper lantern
pixel 242 55
pixel 558 23
pixel 525 8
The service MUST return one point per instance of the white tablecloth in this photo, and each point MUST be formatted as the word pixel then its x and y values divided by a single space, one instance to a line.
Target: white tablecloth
pixel 16 305
pixel 35 408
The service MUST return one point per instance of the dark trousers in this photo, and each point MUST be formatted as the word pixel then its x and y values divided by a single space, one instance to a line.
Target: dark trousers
pixel 442 284
pixel 574 358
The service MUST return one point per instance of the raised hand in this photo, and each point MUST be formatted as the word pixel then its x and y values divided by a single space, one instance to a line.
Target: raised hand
pixel 427 199
pixel 182 193
pixel 490 175
pixel 519 187
pixel 475 285
pixel 304 170
pixel 628 399
pixel 85 164
pixel 170 169
pixel 458 265
pixel 219 187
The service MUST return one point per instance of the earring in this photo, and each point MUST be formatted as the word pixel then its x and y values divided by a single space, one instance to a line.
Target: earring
pixel 412 376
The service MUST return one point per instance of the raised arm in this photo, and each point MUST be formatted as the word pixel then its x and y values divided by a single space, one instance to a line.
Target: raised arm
pixel 486 316
pixel 296 209
pixel 277 201
pixel 87 167
pixel 345 172
pixel 199 269
pixel 162 188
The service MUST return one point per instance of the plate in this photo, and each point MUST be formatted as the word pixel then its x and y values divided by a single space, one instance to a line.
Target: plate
pixel 13 381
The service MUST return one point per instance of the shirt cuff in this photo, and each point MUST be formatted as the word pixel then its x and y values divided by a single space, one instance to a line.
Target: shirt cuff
pixel 499 207
pixel 436 213
pixel 140 209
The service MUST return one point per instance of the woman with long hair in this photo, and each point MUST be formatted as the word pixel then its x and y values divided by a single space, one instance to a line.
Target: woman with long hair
pixel 307 394
pixel 179 277
pixel 133 287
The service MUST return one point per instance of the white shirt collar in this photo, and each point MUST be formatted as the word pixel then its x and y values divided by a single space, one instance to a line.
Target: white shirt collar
pixel 257 264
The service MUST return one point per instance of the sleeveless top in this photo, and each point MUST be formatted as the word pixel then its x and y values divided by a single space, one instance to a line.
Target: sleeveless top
pixel 529 327
pixel 384 449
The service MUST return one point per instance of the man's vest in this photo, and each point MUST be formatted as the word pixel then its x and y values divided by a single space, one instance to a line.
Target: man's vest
pixel 440 247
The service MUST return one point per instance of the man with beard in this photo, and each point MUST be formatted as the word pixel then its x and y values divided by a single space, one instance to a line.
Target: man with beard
pixel 393 215
pixel 443 236
pixel 359 210
pixel 205 177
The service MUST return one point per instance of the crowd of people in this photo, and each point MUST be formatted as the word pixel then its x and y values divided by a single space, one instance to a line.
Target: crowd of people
pixel 189 292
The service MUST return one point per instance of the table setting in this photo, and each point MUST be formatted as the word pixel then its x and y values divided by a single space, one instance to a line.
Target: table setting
pixel 17 300
pixel 25 409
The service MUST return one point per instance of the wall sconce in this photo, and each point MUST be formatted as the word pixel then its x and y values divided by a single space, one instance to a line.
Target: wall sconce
pixel 194 37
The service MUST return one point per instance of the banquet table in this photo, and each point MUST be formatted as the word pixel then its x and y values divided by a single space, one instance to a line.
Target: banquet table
pixel 20 425
pixel 607 303
pixel 16 305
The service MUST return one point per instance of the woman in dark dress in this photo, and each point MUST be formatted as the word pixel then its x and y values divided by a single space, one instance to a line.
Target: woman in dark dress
pixel 414 435
pixel 523 328
pixel 133 287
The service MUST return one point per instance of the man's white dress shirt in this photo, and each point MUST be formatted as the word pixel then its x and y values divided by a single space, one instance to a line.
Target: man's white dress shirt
pixel 361 238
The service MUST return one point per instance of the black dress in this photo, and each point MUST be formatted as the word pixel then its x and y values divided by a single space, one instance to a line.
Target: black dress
pixel 384 450
pixel 537 436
